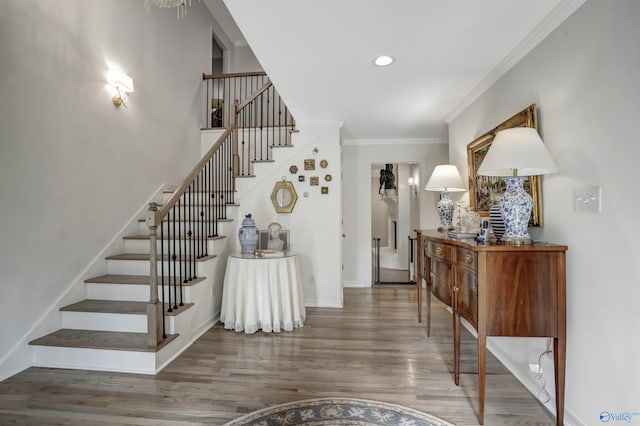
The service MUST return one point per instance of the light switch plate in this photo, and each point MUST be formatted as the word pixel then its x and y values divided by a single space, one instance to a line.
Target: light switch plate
pixel 587 200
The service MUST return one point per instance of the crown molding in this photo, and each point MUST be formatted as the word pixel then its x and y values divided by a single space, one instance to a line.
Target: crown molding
pixel 409 141
pixel 557 16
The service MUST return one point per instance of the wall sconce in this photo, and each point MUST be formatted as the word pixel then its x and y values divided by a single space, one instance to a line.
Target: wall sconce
pixel 413 186
pixel 122 83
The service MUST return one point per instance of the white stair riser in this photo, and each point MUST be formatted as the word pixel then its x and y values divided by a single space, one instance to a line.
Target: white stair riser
pixel 104 321
pixel 139 267
pixel 143 246
pixel 94 359
pixel 180 323
pixel 134 293
pixel 114 322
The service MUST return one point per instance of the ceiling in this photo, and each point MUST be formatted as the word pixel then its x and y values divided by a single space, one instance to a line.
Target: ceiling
pixel 319 54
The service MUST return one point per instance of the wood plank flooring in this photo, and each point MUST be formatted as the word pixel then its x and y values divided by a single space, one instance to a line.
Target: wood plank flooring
pixel 374 348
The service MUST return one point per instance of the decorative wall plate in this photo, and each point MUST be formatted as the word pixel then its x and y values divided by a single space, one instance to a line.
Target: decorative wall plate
pixel 328 178
pixel 324 164
pixel 293 169
pixel 314 180
pixel 324 190
pixel 301 178
pixel 310 164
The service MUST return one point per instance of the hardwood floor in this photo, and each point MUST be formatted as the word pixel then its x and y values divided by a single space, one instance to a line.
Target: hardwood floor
pixel 374 348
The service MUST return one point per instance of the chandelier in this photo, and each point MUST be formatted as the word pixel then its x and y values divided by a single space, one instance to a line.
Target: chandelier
pixel 180 5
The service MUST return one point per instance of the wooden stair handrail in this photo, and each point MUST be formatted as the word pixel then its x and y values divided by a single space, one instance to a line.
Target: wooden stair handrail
pixel 155 216
pixel 236 74
pixel 260 91
pixel 162 213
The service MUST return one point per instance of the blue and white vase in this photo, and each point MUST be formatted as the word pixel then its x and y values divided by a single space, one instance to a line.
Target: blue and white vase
pixel 516 207
pixel 497 223
pixel 248 235
pixel 445 208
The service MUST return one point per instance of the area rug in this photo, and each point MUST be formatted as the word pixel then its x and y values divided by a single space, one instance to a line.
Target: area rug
pixel 338 411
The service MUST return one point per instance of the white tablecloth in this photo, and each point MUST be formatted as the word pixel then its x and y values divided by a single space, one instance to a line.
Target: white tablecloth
pixel 262 294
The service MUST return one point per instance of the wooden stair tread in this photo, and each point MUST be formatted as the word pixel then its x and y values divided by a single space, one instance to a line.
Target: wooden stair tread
pixel 146 257
pixel 132 279
pixel 90 339
pixel 119 307
pixel 245 176
pixel 178 310
pixel 262 161
pixel 108 307
pixel 179 237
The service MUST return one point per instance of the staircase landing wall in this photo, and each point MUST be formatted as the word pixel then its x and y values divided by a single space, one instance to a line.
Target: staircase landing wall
pixel 314 224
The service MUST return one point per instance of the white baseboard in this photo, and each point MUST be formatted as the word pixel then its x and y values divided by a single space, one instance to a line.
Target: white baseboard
pixel 20 356
pixel 356 284
pixel 323 304
pixel 524 376
pixel 194 336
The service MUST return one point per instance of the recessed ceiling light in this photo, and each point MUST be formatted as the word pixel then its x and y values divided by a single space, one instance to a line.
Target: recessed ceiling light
pixel 383 60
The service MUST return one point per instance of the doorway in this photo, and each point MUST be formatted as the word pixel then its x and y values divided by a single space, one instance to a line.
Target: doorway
pixel 217 56
pixel 395 213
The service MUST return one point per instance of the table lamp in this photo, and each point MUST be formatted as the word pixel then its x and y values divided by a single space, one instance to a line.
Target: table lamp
pixel 515 154
pixel 445 178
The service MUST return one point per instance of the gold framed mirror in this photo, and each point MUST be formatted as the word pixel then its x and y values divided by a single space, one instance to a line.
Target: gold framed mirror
pixel 284 196
pixel 483 189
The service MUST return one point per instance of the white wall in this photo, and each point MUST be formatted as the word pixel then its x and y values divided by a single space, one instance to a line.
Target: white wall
pixel 404 204
pixel 358 155
pixel 584 78
pixel 244 60
pixel 73 168
pixel 314 224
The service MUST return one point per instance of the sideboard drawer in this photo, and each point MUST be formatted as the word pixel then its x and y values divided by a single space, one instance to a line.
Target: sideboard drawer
pixel 467 259
pixel 441 251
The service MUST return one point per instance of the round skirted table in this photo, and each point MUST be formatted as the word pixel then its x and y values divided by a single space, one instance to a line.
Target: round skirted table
pixel 262 293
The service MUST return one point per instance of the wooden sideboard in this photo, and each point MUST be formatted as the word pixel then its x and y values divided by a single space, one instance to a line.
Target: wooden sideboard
pixel 500 290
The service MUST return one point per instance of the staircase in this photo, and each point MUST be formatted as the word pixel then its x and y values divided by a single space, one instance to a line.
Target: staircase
pixel 108 330
pixel 134 320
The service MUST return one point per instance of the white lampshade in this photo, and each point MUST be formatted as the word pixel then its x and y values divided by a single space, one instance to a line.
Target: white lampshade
pixel 119 80
pixel 518 151
pixel 445 177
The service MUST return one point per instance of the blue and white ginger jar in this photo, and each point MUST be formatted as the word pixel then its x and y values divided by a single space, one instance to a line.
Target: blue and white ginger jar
pixel 248 235
pixel 516 207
